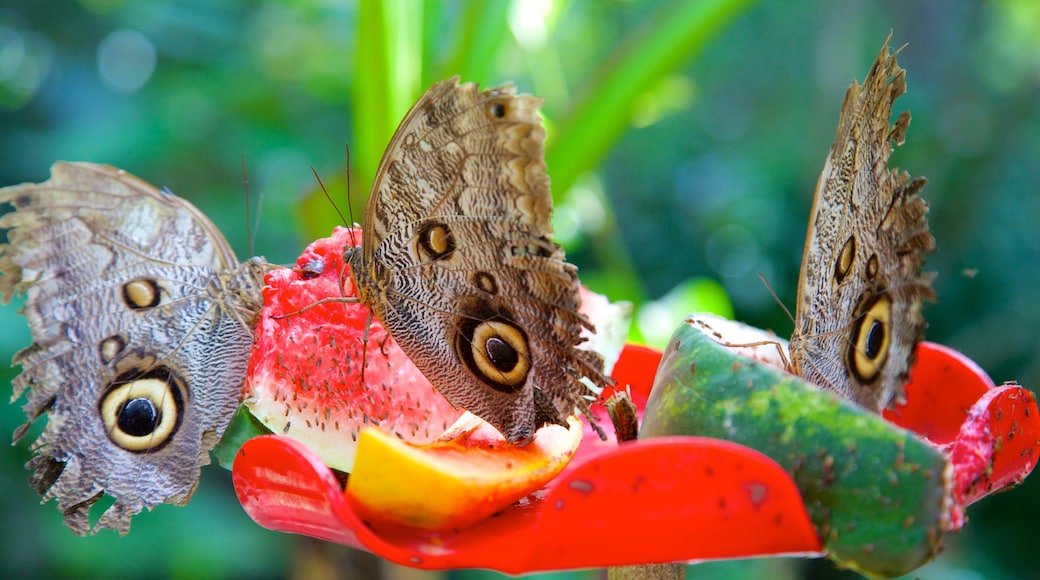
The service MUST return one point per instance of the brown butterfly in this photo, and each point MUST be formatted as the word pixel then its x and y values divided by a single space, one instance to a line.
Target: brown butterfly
pixel 141 319
pixel 861 288
pixel 458 263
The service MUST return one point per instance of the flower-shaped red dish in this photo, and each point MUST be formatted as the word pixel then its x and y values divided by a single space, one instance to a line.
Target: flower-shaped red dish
pixel 664 499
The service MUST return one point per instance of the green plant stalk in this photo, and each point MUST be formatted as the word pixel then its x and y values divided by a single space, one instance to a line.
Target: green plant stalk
pixel 601 113
pixel 386 80
pixel 875 492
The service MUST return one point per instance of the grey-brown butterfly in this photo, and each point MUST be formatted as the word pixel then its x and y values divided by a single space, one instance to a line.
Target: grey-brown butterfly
pixel 141 319
pixel 861 287
pixel 458 262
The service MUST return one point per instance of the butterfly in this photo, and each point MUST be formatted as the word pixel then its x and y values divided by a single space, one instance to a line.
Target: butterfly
pixel 861 288
pixel 458 263
pixel 141 320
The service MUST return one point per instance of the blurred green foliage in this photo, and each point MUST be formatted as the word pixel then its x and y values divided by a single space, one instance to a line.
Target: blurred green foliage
pixel 684 144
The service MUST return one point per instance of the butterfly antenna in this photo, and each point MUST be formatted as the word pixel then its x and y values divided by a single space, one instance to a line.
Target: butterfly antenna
pixel 350 206
pixel 326 192
pixel 776 298
pixel 256 223
pixel 250 229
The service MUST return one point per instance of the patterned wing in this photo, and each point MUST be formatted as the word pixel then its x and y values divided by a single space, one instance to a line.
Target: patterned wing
pixel 861 288
pixel 141 320
pixel 458 261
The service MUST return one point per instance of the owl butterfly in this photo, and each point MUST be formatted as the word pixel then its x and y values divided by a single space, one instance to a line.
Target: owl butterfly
pixel 141 320
pixel 458 264
pixel 861 288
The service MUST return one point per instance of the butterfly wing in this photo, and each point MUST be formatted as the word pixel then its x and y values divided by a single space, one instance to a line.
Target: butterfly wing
pixel 141 322
pixel 861 288
pixel 458 263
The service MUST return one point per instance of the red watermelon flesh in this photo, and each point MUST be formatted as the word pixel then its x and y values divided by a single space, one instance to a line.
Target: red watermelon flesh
pixel 305 373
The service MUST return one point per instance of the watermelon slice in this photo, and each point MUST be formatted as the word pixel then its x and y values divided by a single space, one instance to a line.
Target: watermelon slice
pixel 326 374
pixel 305 373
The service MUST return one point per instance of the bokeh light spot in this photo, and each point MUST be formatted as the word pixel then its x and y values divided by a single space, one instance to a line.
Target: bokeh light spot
pixel 126 60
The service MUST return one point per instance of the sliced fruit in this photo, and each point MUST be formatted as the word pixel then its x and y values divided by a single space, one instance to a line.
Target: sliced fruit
pixel 656 500
pixel 305 373
pixel 322 369
pixel 877 493
pixel 453 482
pixel 881 497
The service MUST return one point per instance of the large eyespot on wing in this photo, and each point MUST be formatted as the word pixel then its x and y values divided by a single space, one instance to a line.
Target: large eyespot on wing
pixel 143 410
pixel 140 319
pixel 493 348
pixel 870 338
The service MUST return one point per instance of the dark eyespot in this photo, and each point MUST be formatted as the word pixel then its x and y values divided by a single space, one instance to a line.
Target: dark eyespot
pixel 501 354
pixel 846 257
pixel 109 348
pixel 485 281
pixel 875 339
pixel 872 267
pixel 492 347
pixel 142 410
pixel 869 339
pixel 497 110
pixel 138 417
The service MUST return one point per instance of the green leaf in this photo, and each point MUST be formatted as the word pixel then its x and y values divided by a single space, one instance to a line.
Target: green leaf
pixel 479 42
pixel 667 40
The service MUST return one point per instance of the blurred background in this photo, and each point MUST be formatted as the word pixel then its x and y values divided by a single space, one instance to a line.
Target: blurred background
pixel 685 141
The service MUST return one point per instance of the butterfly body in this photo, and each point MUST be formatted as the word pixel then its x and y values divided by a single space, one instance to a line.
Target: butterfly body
pixel 457 260
pixel 141 319
pixel 861 287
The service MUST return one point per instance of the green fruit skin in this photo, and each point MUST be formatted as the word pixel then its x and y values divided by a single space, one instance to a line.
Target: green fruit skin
pixel 243 427
pixel 876 493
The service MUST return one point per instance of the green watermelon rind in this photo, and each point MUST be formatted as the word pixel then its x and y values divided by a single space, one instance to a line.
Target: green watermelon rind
pixel 876 493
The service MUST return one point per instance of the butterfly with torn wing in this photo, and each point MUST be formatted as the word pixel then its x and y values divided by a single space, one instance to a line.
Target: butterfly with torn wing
pixel 141 320
pixel 861 288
